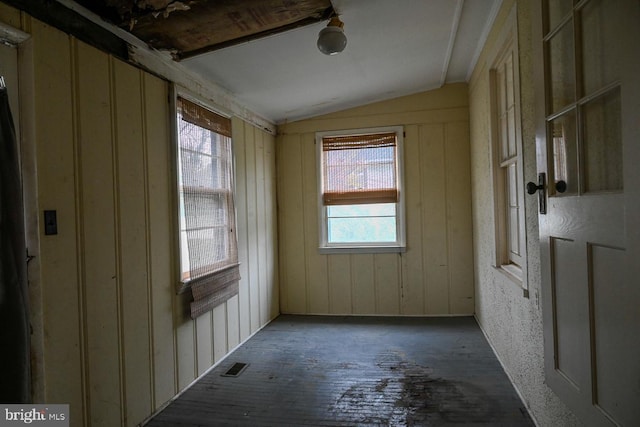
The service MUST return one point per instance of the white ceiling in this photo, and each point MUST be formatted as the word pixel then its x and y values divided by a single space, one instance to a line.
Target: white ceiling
pixel 394 48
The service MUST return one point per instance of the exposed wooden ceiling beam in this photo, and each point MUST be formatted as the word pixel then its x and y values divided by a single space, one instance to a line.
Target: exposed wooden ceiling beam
pixel 188 28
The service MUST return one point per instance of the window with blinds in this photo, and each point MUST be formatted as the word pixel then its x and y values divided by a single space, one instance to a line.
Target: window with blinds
pixel 208 244
pixel 360 192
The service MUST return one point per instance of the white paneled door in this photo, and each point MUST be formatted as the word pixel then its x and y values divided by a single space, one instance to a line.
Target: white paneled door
pixel 588 150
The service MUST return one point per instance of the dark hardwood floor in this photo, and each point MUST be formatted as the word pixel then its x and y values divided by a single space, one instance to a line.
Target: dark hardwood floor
pixel 355 371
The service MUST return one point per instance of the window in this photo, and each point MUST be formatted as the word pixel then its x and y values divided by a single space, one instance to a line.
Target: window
pixel 208 246
pixel 508 161
pixel 360 198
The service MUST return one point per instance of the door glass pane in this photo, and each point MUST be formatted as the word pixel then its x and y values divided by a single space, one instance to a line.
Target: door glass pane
pixel 562 134
pixel 556 10
pixel 600 44
pixel 512 209
pixel 603 143
pixel 562 69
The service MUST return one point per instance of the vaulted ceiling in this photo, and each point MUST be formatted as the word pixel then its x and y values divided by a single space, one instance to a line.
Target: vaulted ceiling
pixel 264 51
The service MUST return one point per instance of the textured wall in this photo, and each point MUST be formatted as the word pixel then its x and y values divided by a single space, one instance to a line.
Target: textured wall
pixel 435 274
pixel 512 323
pixel 112 337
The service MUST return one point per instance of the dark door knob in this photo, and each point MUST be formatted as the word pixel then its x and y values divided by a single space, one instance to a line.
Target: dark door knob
pixel 532 187
pixel 561 186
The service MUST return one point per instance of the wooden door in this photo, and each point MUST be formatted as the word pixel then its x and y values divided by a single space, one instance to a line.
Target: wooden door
pixel 587 142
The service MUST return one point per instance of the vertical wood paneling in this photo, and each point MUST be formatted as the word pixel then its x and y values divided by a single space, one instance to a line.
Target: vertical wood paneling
pixel 339 284
pixel 160 213
pixel 387 278
pixel 118 342
pixel 133 253
pixel 204 342
pixel 10 16
pixel 186 351
pixel 459 231
pixel 291 224
pixel 252 227
pixel 435 274
pixel 233 323
pixel 219 316
pixel 101 274
pixel 261 226
pixel 315 264
pixel 434 220
pixel 239 150
pixel 364 285
pixel 413 282
pixel 270 212
pixel 61 268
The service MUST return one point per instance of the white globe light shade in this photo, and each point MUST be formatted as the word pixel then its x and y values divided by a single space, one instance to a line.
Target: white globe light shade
pixel 331 40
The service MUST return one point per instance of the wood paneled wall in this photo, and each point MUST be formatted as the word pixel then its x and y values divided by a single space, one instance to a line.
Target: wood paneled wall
pixel 435 274
pixel 117 342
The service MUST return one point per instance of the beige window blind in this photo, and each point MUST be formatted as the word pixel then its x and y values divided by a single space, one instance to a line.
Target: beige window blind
pixel 209 254
pixel 359 169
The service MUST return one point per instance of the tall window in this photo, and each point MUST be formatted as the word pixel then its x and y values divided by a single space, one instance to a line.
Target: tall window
pixel 361 200
pixel 208 246
pixel 507 159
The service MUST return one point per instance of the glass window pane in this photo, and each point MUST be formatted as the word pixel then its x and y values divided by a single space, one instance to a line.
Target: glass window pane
pixel 362 223
pixel 512 184
pixel 556 11
pixel 562 69
pixel 562 134
pixel 603 143
pixel 504 138
pixel 204 209
pixel 509 80
pixel 197 170
pixel 194 138
pixel 514 232
pixel 512 149
pixel 600 44
pixel 362 230
pixel 207 247
pixel 379 209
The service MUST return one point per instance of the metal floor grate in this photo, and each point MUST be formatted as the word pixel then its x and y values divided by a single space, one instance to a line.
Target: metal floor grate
pixel 235 370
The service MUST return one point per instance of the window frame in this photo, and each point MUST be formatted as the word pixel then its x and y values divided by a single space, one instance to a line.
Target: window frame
pixel 517 272
pixel 324 246
pixel 205 281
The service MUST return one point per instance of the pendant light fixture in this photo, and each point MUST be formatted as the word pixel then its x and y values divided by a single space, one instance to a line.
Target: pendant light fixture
pixel 331 39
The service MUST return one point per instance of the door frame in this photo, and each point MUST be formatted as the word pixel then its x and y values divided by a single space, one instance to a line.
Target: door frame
pixel 26 138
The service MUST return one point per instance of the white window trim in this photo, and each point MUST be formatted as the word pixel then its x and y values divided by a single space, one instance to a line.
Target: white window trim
pixel 507 41
pixel 374 247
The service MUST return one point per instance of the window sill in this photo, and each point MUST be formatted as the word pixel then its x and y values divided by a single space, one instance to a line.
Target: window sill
pixel 361 249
